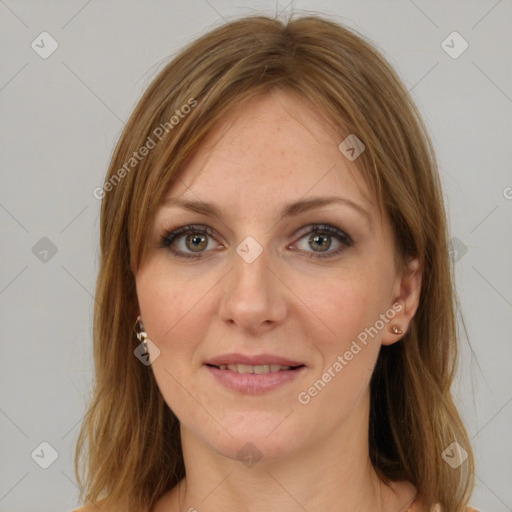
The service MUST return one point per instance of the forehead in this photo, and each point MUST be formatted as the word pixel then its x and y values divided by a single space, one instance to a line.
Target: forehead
pixel 273 148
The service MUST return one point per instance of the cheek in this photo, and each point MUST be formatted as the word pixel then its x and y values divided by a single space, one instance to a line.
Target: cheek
pixel 344 305
pixel 351 353
pixel 171 306
pixel 347 330
pixel 348 351
pixel 174 317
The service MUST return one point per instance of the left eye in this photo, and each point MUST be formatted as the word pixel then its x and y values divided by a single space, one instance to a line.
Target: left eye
pixel 319 238
pixel 193 241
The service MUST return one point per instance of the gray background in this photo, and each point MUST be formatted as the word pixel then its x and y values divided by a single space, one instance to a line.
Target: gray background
pixel 61 117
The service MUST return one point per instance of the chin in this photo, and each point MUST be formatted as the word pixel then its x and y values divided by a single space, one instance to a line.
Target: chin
pixel 252 450
pixel 256 438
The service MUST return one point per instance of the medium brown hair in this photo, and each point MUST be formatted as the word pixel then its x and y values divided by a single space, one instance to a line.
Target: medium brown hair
pixel 129 444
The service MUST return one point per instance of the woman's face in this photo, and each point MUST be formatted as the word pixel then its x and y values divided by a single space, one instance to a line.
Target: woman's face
pixel 295 268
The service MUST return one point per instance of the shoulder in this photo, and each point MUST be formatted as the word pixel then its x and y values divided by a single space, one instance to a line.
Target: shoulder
pixel 417 507
pixel 437 508
pixel 99 506
pixel 93 507
pixel 164 504
pixel 89 507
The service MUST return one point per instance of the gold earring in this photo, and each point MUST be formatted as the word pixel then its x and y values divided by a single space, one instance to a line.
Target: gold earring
pixel 396 330
pixel 141 333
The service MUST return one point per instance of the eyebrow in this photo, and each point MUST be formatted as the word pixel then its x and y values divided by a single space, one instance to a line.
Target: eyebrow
pixel 290 210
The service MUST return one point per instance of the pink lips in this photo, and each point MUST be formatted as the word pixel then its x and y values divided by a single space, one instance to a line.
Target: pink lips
pixel 252 383
pixel 252 360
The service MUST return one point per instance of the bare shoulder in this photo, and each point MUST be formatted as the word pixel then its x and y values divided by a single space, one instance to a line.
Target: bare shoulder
pixel 90 507
pixel 95 507
pixel 417 507
pixel 166 503
pixel 99 506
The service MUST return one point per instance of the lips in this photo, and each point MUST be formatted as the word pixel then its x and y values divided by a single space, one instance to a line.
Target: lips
pixel 256 374
pixel 255 361
pixel 257 369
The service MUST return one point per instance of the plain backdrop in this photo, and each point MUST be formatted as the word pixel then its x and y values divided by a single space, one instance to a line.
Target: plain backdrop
pixel 60 118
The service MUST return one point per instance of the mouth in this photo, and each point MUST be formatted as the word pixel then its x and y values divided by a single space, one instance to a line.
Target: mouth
pixel 259 369
pixel 254 375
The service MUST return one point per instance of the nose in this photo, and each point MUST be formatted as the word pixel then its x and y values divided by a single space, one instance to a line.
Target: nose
pixel 253 296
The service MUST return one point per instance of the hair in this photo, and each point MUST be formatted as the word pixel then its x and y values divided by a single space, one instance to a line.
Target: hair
pixel 129 446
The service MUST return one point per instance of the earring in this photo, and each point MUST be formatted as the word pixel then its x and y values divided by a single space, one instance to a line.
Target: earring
pixel 141 333
pixel 396 330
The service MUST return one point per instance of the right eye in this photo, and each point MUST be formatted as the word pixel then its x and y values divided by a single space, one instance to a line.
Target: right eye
pixel 190 241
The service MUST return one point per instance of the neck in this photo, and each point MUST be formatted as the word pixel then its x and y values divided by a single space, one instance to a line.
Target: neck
pixel 333 474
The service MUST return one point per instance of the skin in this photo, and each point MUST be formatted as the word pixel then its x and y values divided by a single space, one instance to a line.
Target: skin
pixel 288 302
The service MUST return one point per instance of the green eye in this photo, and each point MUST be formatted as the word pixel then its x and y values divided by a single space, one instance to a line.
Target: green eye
pixel 192 241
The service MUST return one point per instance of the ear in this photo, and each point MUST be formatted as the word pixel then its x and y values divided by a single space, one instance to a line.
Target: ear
pixel 406 293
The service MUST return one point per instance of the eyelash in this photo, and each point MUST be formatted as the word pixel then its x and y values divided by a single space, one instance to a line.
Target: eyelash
pixel 171 234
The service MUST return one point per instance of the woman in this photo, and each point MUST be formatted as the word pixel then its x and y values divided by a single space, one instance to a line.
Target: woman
pixel 273 224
